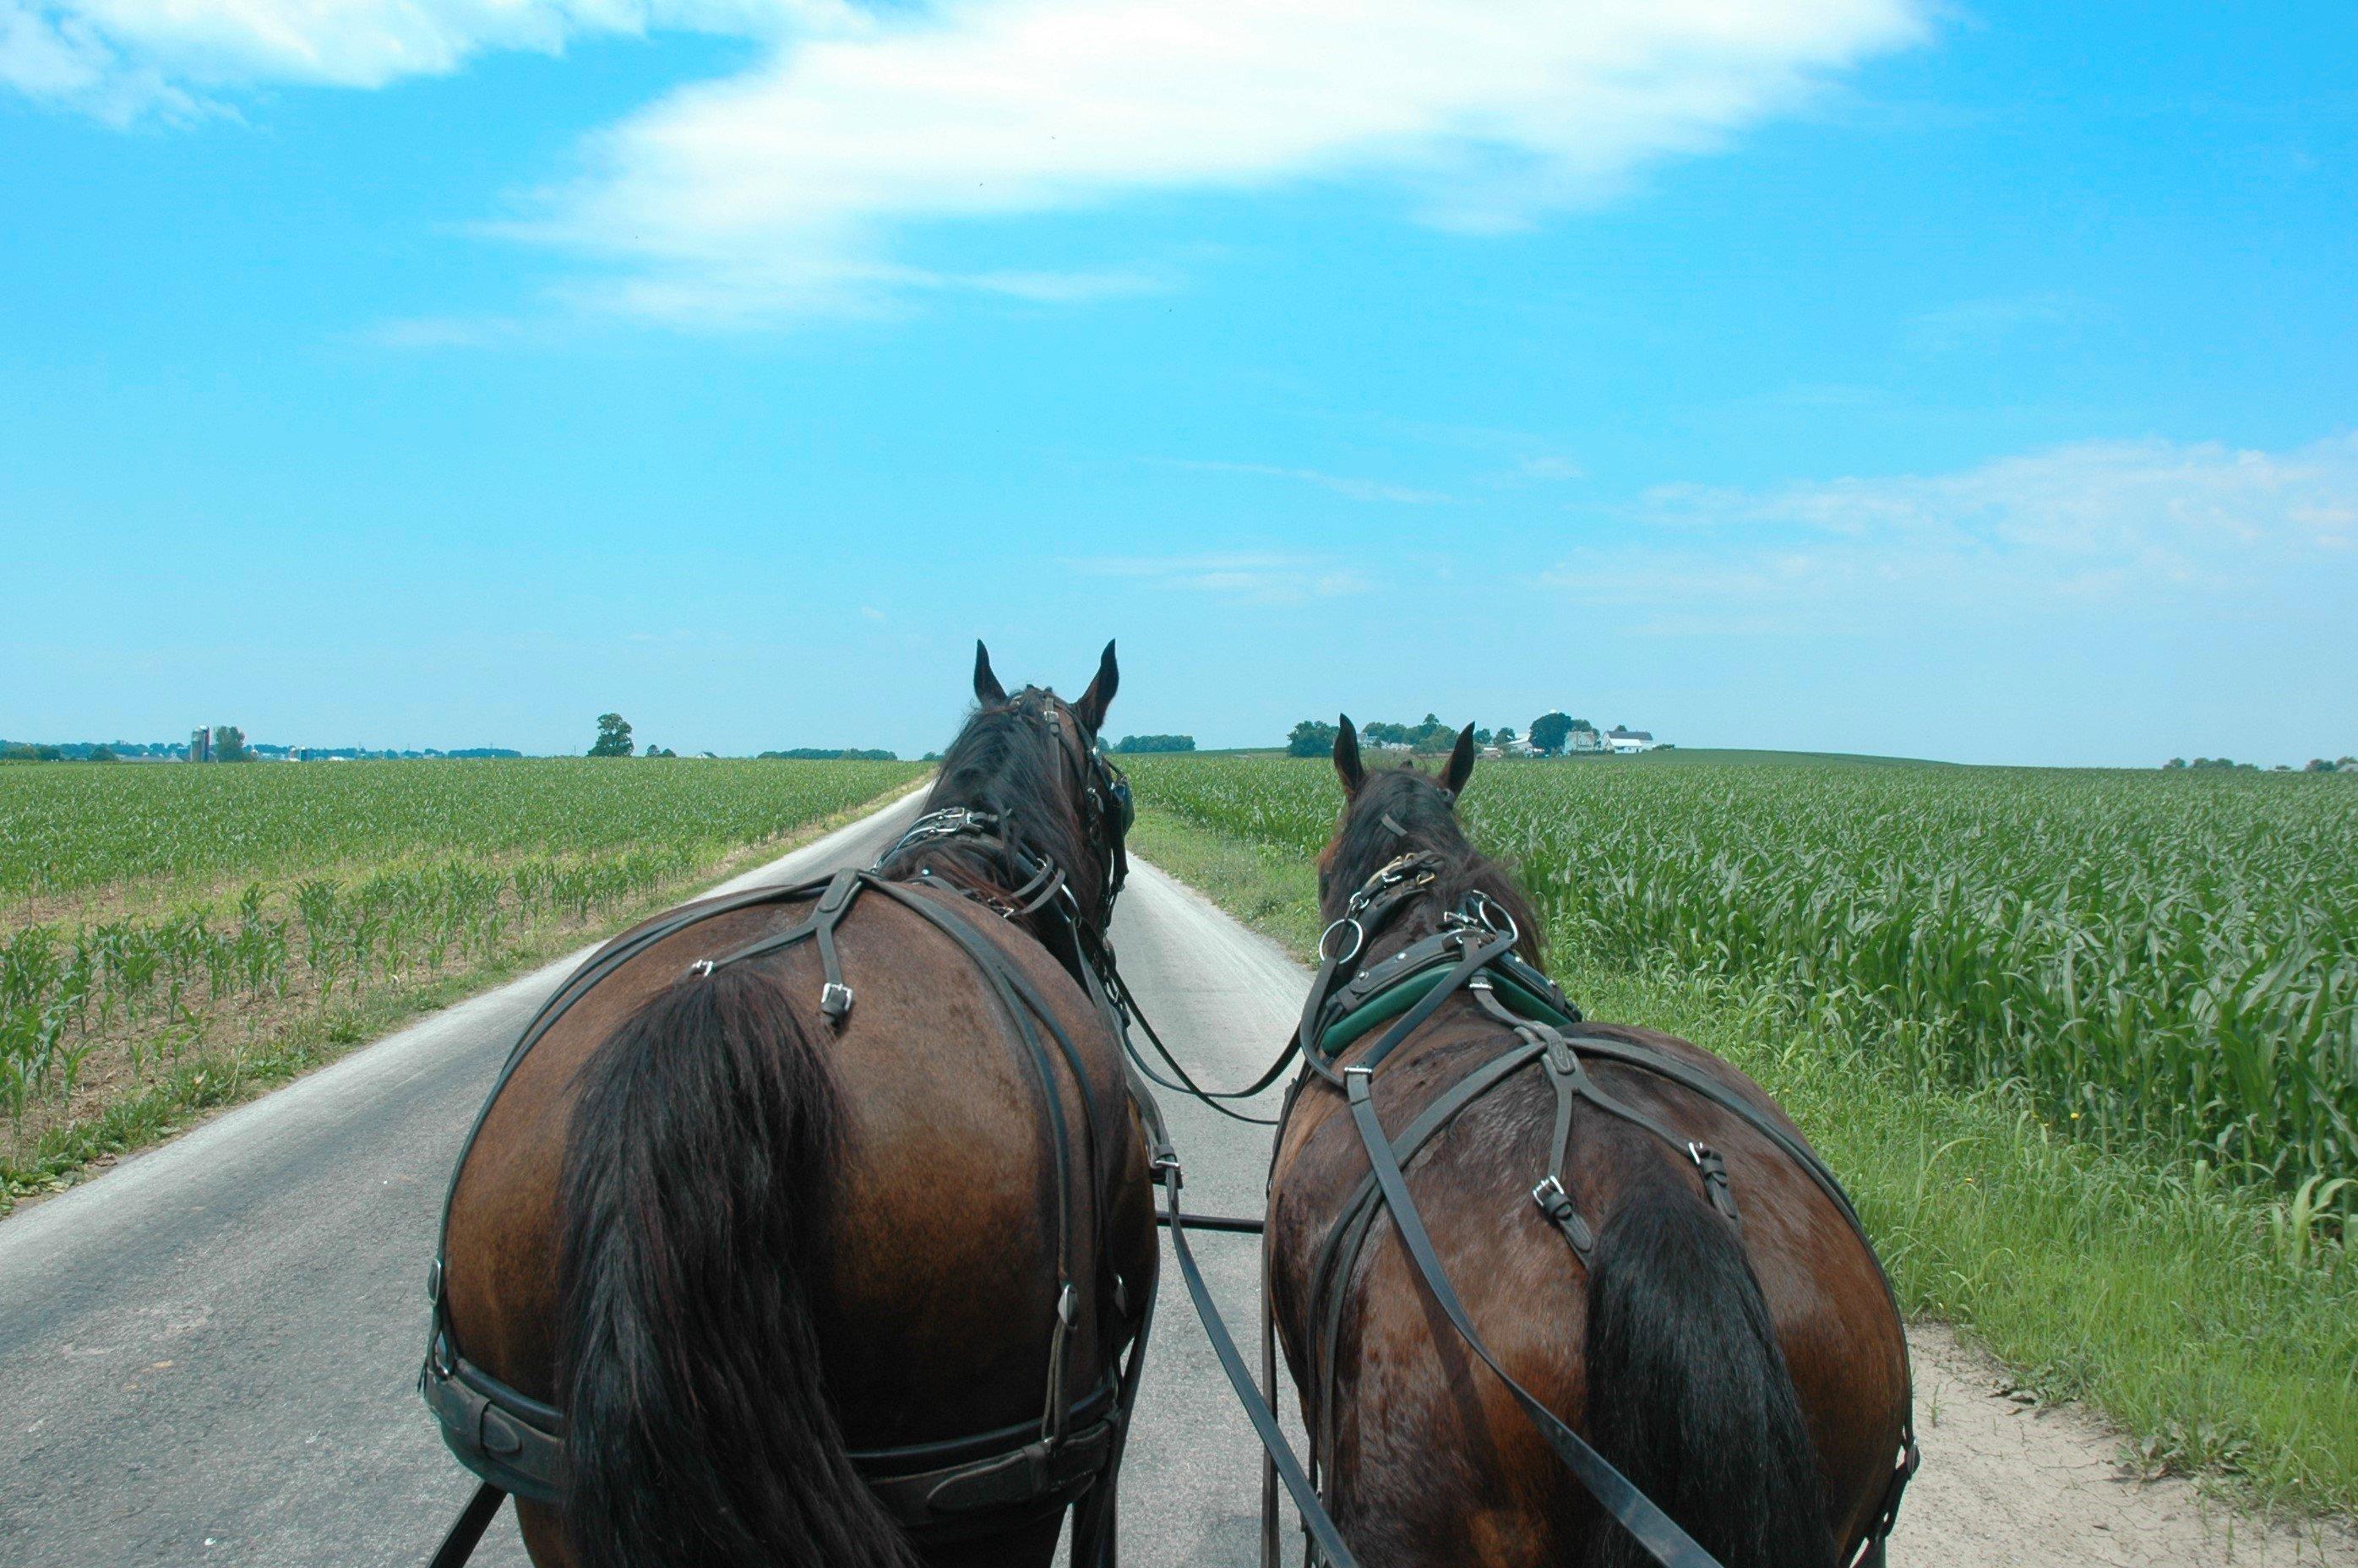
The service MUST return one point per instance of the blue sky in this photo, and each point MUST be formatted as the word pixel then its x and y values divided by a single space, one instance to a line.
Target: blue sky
pixel 1968 381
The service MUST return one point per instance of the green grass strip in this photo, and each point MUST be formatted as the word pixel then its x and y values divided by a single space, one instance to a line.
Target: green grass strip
pixel 2196 1315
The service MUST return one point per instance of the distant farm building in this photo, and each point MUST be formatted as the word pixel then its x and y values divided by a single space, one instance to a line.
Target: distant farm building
pixel 1620 741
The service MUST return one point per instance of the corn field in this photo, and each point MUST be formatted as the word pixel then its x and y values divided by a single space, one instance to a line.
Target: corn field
pixel 2166 959
pixel 355 877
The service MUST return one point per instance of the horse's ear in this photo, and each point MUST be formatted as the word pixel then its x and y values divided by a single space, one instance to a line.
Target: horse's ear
pixel 987 690
pixel 1346 755
pixel 1091 709
pixel 1461 762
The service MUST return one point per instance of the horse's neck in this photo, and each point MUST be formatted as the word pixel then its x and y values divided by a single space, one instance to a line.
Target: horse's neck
pixel 962 868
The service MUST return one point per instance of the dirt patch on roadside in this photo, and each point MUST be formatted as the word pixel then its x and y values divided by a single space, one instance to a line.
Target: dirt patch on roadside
pixel 2009 1485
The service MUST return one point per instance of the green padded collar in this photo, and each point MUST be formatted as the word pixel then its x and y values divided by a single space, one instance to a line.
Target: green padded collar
pixel 1406 992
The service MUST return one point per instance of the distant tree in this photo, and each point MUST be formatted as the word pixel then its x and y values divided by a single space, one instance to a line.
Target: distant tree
pixel 1549 730
pixel 1311 739
pixel 1432 735
pixel 827 754
pixel 2175 762
pixel 1380 733
pixel 2346 766
pixel 613 736
pixel 103 754
pixel 2318 765
pixel 229 744
pixel 654 751
pixel 1482 737
pixel 1505 736
pixel 1155 743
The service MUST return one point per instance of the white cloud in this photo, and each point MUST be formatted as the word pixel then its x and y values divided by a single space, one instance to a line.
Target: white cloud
pixel 1975 321
pixel 1263 577
pixel 792 186
pixel 796 184
pixel 119 58
pixel 2097 525
pixel 1341 484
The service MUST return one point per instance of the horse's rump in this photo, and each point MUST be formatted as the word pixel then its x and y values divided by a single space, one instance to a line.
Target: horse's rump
pixel 936 1243
pixel 1416 1439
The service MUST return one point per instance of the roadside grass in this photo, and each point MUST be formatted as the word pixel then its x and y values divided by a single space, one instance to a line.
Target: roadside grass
pixel 2212 1324
pixel 212 1078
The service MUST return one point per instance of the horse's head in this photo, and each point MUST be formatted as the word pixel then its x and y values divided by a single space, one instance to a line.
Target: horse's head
pixel 1391 812
pixel 1032 763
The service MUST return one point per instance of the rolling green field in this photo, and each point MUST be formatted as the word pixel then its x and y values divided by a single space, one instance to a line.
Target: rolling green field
pixel 2169 960
pixel 1933 968
pixel 168 924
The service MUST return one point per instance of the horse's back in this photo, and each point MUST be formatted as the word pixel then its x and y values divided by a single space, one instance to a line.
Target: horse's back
pixel 1427 1444
pixel 941 1246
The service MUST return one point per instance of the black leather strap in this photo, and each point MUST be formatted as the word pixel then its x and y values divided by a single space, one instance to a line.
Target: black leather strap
pixel 467 1528
pixel 1653 1529
pixel 1314 1517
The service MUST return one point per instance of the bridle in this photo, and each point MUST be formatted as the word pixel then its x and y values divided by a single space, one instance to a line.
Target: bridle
pixel 1032 880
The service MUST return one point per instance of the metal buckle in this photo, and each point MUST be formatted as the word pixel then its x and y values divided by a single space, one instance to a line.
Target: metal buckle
pixel 701 968
pixel 1548 1194
pixel 835 999
pixel 434 1281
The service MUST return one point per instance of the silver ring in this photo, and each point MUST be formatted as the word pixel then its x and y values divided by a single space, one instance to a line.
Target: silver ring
pixel 1359 940
pixel 1483 904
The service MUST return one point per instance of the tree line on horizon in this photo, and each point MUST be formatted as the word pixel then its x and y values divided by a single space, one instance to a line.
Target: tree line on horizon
pixel 1548 733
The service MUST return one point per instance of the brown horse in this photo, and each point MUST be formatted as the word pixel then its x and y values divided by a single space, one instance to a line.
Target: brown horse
pixel 825 1250
pixel 1748 1375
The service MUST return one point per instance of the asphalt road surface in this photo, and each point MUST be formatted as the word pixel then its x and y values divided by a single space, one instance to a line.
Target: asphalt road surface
pixel 207 1354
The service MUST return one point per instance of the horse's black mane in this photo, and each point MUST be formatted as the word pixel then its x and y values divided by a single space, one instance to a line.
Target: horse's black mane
pixel 1428 821
pixel 1004 761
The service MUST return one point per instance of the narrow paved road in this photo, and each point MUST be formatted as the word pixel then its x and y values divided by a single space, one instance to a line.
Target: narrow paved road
pixel 207 1356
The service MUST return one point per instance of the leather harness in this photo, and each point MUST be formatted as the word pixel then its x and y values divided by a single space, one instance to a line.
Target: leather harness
pixel 1474 953
pixel 938 1491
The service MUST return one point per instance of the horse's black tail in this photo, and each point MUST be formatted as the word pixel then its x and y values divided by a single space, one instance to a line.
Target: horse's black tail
pixel 698 1173
pixel 1688 1392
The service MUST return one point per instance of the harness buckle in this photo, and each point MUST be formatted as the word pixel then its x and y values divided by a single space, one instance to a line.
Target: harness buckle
pixel 835 1000
pixel 434 1281
pixel 1549 1195
pixel 1714 1171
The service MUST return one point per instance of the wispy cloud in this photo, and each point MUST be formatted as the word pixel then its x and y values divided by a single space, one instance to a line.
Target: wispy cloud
pixel 1974 321
pixel 125 59
pixel 426 332
pixel 1264 577
pixel 1341 484
pixel 791 184
pixel 2153 524
pixel 796 184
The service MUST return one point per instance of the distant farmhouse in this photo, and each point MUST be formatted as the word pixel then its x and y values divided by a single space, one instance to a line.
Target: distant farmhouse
pixel 1581 739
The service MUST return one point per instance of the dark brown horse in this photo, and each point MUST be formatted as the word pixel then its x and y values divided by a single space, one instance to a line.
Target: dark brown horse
pixel 782 1238
pixel 1749 1375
